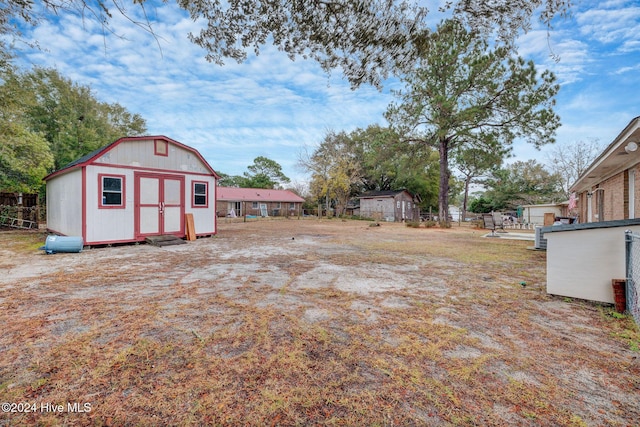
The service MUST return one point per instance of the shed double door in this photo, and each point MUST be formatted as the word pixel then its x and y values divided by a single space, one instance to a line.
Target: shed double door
pixel 159 201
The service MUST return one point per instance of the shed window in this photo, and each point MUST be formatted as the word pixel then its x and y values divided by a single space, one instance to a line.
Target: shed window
pixel 111 191
pixel 161 147
pixel 200 198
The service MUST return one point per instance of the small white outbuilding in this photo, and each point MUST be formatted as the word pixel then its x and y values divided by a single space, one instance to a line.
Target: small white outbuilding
pixel 131 189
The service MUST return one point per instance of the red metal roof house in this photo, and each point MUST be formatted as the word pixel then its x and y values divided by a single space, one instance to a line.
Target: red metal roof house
pixel 233 201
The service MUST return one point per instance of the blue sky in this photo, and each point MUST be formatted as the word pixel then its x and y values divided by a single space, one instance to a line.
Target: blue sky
pixel 271 106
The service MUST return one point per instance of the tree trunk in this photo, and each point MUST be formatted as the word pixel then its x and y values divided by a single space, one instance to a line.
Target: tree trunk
pixel 443 196
pixel 326 199
pixel 467 181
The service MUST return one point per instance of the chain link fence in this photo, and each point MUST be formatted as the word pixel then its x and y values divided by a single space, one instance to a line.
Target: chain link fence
pixel 632 243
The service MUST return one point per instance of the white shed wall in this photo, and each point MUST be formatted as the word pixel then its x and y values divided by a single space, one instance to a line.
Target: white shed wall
pixel 65 214
pixel 535 214
pixel 113 224
pixel 140 153
pixel 204 219
pixel 581 263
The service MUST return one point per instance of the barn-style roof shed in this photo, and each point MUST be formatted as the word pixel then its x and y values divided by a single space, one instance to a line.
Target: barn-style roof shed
pixel 131 189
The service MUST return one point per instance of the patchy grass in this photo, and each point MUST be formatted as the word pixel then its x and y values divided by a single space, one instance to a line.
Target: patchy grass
pixel 623 327
pixel 308 323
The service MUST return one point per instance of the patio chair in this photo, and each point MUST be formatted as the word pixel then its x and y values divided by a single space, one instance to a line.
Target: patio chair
pixel 493 222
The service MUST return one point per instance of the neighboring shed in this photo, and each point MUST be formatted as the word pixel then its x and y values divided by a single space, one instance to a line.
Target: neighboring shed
pixel 399 205
pixel 131 189
pixel 535 214
pixel 233 201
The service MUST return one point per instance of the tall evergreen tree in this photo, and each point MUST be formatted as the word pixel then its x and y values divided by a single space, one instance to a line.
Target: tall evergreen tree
pixel 463 92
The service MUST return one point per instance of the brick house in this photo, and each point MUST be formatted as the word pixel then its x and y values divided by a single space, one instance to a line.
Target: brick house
pixel 610 188
pixel 584 258
pixel 236 202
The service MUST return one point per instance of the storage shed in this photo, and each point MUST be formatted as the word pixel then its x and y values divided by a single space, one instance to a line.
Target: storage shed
pixel 131 189
pixel 395 205
pixel 536 214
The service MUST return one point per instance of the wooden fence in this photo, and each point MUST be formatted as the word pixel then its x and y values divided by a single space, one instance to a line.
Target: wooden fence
pixel 12 199
pixel 19 217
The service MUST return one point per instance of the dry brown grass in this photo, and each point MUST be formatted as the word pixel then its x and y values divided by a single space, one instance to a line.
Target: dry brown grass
pixel 308 323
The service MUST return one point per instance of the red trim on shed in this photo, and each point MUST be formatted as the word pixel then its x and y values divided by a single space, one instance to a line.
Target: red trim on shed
pixel 160 147
pixel 98 153
pixel 193 194
pixel 83 202
pixel 123 200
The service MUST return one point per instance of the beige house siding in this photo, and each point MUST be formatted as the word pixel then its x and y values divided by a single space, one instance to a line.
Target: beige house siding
pixel 582 259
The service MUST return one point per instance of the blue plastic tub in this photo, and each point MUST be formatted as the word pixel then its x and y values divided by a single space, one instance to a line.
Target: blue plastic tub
pixel 55 244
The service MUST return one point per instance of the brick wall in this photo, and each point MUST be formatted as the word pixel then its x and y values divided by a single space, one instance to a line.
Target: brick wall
pixel 615 198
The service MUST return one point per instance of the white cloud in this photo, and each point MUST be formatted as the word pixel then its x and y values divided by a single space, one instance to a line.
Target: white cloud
pixel 273 106
pixel 268 105
pixel 610 25
pixel 624 70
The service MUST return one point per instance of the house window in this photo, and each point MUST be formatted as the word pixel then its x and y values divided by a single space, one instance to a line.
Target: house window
pixel 292 206
pixel 111 190
pixel 254 205
pixel 278 205
pixel 161 147
pixel 200 199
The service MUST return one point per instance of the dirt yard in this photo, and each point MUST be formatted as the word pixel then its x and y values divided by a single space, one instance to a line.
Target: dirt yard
pixel 307 323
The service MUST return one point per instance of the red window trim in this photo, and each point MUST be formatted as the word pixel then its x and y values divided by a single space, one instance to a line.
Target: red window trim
pixel 155 147
pixel 123 203
pixel 193 194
